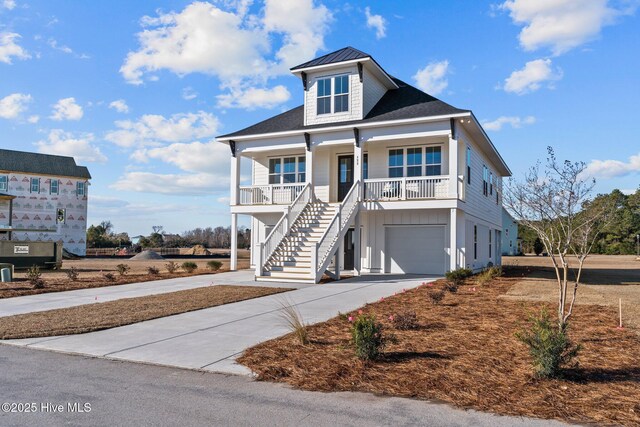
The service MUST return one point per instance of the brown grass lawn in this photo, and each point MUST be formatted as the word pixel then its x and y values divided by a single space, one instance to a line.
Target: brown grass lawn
pixel 98 316
pixel 91 275
pixel 465 353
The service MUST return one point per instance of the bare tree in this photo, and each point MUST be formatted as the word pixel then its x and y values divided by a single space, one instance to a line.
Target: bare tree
pixel 556 203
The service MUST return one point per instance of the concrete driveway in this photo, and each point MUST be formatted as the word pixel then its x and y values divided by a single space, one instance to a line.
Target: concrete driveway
pixel 211 339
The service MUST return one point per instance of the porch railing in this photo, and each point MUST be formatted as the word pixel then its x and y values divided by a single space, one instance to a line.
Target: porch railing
pixel 321 255
pixel 275 194
pixel 413 188
pixel 280 230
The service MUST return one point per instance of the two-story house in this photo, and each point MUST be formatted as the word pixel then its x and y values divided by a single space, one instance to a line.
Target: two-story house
pixel 369 175
pixel 43 198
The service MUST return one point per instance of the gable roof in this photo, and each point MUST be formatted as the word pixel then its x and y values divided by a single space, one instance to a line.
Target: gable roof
pixel 46 164
pixel 406 102
pixel 345 54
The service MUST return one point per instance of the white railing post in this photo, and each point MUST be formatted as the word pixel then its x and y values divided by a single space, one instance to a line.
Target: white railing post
pixel 403 189
pixel 314 261
pixel 260 262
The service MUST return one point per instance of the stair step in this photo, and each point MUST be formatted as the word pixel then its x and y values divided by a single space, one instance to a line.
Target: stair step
pixel 289 269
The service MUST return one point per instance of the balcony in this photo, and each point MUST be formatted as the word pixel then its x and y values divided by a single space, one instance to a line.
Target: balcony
pixel 413 188
pixel 277 194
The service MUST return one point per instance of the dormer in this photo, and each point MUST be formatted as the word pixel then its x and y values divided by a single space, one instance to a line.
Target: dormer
pixel 341 86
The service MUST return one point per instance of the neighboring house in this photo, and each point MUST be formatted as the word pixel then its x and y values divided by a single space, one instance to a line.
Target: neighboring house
pixel 43 198
pixel 510 241
pixel 370 175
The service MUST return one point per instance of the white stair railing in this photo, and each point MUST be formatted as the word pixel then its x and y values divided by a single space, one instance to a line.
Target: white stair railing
pixel 281 229
pixel 326 246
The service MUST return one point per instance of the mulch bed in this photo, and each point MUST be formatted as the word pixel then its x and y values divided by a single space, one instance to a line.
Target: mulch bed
pixel 22 287
pixel 465 353
pixel 98 316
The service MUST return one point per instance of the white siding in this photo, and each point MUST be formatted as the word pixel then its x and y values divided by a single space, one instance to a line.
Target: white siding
pixel 373 90
pixel 355 98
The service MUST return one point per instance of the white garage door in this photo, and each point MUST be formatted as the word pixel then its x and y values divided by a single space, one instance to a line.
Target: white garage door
pixel 415 249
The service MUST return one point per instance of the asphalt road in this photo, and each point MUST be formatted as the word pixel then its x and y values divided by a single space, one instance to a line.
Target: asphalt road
pixel 132 394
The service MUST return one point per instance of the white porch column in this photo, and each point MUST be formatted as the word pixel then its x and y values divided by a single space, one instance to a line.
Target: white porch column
pixel 234 242
pixel 357 246
pixel 453 167
pixel 235 180
pixel 308 164
pixel 453 239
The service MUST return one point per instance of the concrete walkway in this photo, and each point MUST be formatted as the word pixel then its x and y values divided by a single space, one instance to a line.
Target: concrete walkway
pixel 211 339
pixel 53 300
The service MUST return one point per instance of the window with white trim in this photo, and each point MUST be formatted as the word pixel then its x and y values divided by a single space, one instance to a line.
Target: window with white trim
pixel 4 183
pixel 490 242
pixel 491 183
pixel 54 187
pixel 35 185
pixel 420 161
pixel 469 165
pixel 475 242
pixel 365 166
pixel 81 188
pixel 287 170
pixel 332 95
pixel 485 180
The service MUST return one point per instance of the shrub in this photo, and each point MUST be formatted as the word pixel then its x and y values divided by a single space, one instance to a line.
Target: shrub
pixel 109 277
pixel 406 321
pixel 456 277
pixel 153 271
pixel 549 346
pixel 189 266
pixel 172 267
pixel 122 269
pixel 73 274
pixel 538 247
pixel 488 275
pixel 367 337
pixel 35 277
pixel 214 265
pixel 293 321
pixel 436 295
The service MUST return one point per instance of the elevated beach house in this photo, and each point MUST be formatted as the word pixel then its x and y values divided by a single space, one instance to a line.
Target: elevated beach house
pixel 369 175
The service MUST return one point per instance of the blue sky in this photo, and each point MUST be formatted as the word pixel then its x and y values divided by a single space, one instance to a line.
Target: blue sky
pixel 137 92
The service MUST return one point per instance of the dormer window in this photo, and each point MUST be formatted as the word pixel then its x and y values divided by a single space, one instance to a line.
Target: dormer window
pixel 339 95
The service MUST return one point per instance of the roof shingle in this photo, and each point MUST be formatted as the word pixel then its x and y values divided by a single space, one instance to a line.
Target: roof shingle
pixel 46 164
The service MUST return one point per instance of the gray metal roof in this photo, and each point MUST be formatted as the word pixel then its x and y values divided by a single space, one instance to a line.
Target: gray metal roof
pixel 406 102
pixel 45 164
pixel 345 54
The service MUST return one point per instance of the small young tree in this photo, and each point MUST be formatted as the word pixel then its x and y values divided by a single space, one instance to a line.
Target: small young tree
pixel 538 247
pixel 556 203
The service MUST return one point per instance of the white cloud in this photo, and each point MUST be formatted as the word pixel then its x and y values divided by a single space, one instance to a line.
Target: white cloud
pixel 13 105
pixel 67 144
pixel 120 105
pixel 252 98
pixel 514 121
pixel 190 157
pixel 433 78
pixel 188 93
pixel 151 129
pixel 376 22
pixel 531 78
pixel 67 109
pixel 9 4
pixel 614 168
pixel 9 48
pixel 33 119
pixel 53 43
pixel 178 184
pixel 231 44
pixel 562 25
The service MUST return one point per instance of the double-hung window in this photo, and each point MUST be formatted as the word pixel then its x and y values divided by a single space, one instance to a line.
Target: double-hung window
pixel 491 183
pixel 469 165
pixel 420 161
pixel 333 92
pixel 475 242
pixel 485 180
pixel 287 170
pixel 396 163
pixel 324 96
pixel 4 183
pixel 365 166
pixel 341 96
pixel 54 188
pixel 80 188
pixel 35 185
pixel 490 242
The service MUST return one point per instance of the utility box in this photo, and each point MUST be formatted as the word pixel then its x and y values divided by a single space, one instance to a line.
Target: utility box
pixel 26 254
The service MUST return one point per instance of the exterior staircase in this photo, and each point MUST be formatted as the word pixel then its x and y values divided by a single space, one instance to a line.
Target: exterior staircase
pixel 292 260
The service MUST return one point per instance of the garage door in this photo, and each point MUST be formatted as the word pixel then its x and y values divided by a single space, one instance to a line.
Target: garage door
pixel 415 249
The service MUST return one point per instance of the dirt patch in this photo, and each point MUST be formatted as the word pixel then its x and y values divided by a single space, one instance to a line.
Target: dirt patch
pixel 465 353
pixel 91 275
pixel 99 316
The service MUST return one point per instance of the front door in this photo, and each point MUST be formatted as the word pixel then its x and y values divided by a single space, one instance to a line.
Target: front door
pixel 349 250
pixel 345 176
